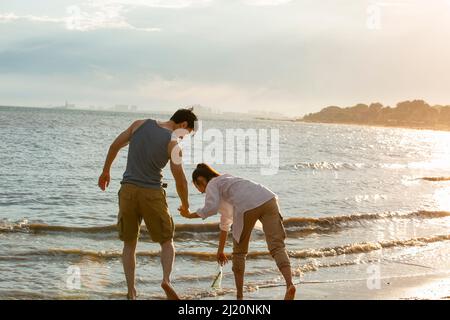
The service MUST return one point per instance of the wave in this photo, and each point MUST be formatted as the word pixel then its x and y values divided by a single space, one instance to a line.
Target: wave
pixel 26 227
pixel 366 247
pixel 436 179
pixel 354 248
pixel 324 165
pixel 294 225
pixel 341 166
pixel 345 219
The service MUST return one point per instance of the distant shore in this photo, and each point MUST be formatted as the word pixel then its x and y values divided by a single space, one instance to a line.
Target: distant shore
pixel 416 114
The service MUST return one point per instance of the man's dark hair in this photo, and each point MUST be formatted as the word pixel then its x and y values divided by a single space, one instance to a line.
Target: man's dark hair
pixel 187 115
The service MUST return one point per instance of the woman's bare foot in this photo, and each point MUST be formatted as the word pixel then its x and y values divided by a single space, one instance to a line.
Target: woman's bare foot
pixel 170 292
pixel 290 292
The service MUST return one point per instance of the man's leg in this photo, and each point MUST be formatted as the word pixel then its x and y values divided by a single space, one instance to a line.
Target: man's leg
pixel 128 225
pixel 129 266
pixel 160 225
pixel 167 261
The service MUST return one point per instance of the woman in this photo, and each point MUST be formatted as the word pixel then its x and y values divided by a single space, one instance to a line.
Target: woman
pixel 242 202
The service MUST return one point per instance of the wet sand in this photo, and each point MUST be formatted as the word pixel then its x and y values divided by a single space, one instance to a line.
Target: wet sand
pixel 428 287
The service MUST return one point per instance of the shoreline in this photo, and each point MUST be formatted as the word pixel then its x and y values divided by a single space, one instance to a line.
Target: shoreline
pixel 377 126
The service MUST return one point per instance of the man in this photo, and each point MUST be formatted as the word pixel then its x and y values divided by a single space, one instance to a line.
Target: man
pixel 151 145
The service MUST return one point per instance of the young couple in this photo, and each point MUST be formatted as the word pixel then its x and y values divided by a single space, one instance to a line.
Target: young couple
pixel 240 202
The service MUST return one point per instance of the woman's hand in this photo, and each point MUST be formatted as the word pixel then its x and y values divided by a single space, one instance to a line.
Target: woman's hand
pixel 222 258
pixel 187 214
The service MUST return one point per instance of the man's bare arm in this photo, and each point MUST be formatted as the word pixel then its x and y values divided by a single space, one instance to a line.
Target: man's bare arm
pixel 121 141
pixel 176 166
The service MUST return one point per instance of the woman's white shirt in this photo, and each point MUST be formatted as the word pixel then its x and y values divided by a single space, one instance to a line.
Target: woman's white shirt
pixel 231 197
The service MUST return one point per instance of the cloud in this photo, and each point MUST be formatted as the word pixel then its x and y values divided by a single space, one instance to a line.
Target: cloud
pixel 180 4
pixel 168 4
pixel 94 17
pixel 392 3
pixel 12 17
pixel 110 14
pixel 87 17
pixel 262 3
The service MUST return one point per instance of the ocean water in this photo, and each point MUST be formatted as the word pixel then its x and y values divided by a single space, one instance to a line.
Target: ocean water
pixel 354 198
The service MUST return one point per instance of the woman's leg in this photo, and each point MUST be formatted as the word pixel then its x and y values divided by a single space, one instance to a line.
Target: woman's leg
pixel 240 250
pixel 275 236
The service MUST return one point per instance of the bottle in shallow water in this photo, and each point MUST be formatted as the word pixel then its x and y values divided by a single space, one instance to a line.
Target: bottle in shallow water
pixel 217 283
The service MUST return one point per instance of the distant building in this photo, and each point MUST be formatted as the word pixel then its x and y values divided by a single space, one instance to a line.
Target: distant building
pixel 204 111
pixel 67 105
pixel 124 108
pixel 121 107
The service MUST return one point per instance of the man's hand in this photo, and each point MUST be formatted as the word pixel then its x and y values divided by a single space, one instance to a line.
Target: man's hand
pixel 187 214
pixel 103 180
pixel 184 212
pixel 222 258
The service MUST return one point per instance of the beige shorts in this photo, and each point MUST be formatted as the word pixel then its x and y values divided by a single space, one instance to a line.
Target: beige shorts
pixel 137 204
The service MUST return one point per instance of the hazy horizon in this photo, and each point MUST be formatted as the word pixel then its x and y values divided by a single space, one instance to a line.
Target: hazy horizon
pixel 290 57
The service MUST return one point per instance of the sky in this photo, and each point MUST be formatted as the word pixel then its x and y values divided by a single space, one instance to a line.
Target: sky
pixel 286 56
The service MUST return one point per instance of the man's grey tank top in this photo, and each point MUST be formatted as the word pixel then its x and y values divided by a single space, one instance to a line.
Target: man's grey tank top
pixel 147 155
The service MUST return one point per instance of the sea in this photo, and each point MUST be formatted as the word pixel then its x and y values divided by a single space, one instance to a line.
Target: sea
pixel 360 204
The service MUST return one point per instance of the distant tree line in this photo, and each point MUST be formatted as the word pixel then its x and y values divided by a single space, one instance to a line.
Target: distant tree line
pixel 416 114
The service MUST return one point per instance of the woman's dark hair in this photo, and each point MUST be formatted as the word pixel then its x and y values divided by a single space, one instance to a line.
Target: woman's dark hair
pixel 187 115
pixel 205 171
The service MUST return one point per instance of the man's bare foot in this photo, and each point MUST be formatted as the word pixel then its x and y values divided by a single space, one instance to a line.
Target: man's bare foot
pixel 132 295
pixel 290 293
pixel 170 292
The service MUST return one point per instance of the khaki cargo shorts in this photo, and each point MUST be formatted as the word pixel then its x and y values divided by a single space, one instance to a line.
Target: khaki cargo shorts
pixel 137 203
